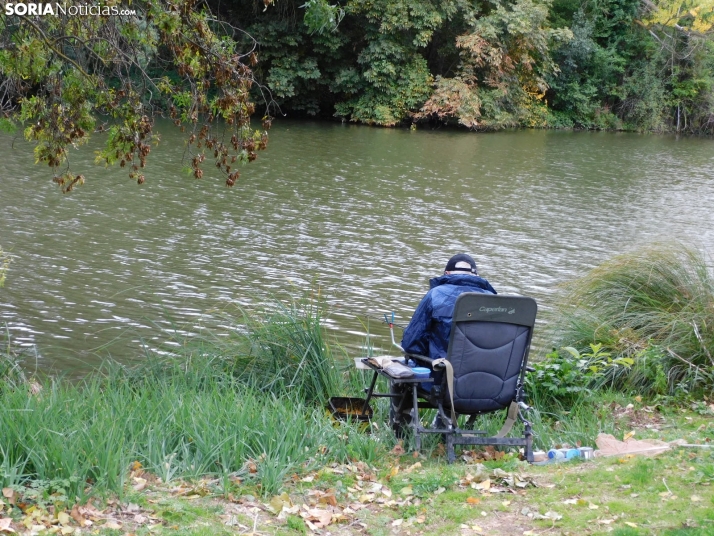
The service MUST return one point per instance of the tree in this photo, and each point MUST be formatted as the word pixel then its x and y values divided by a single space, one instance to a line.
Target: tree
pixel 67 73
pixel 684 29
pixel 504 60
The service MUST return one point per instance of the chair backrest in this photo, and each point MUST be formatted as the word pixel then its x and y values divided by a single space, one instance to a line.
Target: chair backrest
pixel 488 349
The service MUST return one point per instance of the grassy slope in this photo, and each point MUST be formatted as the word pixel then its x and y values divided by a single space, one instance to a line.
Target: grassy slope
pixel 401 493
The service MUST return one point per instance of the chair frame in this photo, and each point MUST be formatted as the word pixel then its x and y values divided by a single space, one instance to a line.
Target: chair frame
pixel 469 307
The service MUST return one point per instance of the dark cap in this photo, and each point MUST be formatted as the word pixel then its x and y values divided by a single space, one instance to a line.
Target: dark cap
pixel 461 263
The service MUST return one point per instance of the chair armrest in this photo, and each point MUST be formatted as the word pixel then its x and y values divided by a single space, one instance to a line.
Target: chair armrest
pixel 529 369
pixel 422 358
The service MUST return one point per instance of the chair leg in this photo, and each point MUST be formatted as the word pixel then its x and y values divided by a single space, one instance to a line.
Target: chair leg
pixel 415 419
pixel 528 433
pixel 399 409
pixel 450 454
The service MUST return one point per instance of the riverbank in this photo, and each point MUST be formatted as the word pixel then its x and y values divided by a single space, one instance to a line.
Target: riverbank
pixel 192 453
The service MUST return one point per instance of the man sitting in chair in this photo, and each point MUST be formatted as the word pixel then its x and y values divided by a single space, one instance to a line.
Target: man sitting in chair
pixel 428 332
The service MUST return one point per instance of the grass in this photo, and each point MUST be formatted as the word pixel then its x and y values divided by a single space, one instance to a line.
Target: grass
pixel 654 306
pixel 185 425
pixel 670 494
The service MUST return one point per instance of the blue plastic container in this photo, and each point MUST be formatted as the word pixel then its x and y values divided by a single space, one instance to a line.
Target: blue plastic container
pixel 572 453
pixel 423 372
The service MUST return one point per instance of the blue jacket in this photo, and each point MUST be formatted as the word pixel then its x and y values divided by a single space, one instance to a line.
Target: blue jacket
pixel 428 332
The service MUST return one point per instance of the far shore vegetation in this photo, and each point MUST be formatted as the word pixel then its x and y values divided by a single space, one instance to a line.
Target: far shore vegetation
pixel 213 67
pixel 239 425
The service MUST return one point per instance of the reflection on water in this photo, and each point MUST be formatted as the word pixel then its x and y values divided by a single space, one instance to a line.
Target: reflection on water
pixel 367 214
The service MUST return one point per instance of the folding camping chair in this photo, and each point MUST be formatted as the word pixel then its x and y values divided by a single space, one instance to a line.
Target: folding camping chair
pixel 483 372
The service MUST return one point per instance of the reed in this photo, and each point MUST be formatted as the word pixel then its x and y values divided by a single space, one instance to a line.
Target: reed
pixel 655 306
pixel 281 348
pixel 189 422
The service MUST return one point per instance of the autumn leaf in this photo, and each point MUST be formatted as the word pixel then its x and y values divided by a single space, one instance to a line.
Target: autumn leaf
pixel 279 502
pixel 9 494
pixel 398 450
pixel 473 500
pixel 319 518
pixel 63 518
pixel 5 524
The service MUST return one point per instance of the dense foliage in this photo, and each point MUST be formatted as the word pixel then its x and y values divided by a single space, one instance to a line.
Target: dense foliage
pixel 624 64
pixel 632 64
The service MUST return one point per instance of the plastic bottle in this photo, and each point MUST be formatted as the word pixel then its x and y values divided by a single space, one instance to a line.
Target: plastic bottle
pixel 555 454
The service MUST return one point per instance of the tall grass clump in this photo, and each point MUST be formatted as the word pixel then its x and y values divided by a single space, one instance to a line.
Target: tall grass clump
pixel 11 373
pixel 652 309
pixel 289 352
pixel 180 420
pixel 280 349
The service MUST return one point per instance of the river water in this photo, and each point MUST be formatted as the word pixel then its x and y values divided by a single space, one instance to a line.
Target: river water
pixel 367 215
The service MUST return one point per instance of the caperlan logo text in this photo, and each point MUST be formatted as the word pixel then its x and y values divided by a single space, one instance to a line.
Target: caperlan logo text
pixel 497 310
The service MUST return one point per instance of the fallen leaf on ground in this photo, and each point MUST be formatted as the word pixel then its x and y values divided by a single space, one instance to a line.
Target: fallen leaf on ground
pixel 279 502
pixel 5 525
pixel 319 518
pixel 398 450
pixel 9 494
pixel 486 484
pixel 473 500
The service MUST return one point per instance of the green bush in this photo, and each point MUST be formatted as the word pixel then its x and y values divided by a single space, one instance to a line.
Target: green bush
pixel 569 374
pixel 655 307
